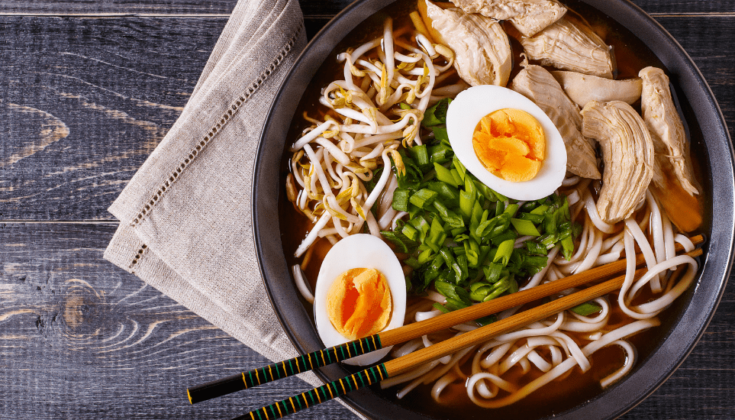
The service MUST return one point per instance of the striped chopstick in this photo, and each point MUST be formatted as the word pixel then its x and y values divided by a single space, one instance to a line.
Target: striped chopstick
pixel 405 363
pixel 408 332
pixel 284 369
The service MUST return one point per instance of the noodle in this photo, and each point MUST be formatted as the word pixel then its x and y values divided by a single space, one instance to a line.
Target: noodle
pixel 352 147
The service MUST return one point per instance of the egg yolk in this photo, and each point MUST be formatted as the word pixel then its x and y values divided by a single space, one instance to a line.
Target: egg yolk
pixel 359 303
pixel 511 144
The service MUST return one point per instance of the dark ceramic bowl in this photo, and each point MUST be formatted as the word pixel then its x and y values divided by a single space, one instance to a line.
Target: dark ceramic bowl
pixel 685 322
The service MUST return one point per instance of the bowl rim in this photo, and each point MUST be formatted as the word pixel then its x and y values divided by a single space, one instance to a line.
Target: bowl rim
pixel 684 334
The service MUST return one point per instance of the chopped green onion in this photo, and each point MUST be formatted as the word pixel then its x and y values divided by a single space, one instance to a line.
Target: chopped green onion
pixel 420 154
pixel 425 256
pixel 535 218
pixel 492 272
pixel 461 170
pixel 511 210
pixel 400 199
pixel 410 232
pixel 456 233
pixel 445 175
pixel 508 235
pixel 586 309
pixel 499 196
pixel 423 198
pixel 404 105
pixel 487 320
pixel 457 177
pixel 421 225
pixel 440 153
pixel 437 114
pixel 447 193
pixel 449 217
pixel 472 251
pixel 440 307
pixel 479 293
pixel 396 240
pixel 534 248
pixel 499 208
pixel 413 263
pixel 451 262
pixel 455 304
pixel 567 245
pixel 486 192
pixel 523 227
pixel 437 235
pixel 467 198
pixel 504 251
pixel 500 287
pixel 513 286
pixel 540 210
pixel 547 240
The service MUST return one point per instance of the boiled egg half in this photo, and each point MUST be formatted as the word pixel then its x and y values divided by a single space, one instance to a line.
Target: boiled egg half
pixel 360 291
pixel 507 142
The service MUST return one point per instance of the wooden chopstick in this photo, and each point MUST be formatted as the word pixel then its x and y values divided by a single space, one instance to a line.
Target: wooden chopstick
pixel 405 363
pixel 408 332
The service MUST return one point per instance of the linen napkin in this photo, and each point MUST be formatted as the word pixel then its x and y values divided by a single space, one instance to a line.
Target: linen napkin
pixel 185 217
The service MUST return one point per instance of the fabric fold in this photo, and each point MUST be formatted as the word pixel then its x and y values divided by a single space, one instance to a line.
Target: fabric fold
pixel 185 217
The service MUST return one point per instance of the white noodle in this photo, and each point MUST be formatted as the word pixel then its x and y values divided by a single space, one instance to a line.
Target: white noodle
pixel 305 291
pixel 642 241
pixel 591 207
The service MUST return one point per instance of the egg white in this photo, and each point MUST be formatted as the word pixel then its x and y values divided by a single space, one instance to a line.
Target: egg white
pixel 466 111
pixel 359 251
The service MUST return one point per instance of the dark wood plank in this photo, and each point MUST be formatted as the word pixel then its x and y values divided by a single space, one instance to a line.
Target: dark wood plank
pixel 309 7
pixel 686 6
pixel 80 338
pixel 86 100
pixel 148 7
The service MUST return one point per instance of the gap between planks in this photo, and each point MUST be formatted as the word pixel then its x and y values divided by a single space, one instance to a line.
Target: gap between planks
pixel 60 222
pixel 328 16
pixel 139 15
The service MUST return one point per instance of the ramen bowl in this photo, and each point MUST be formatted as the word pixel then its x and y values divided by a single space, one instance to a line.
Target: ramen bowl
pixel 684 322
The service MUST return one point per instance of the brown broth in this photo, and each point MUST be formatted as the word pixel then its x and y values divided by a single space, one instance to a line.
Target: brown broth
pixel 561 395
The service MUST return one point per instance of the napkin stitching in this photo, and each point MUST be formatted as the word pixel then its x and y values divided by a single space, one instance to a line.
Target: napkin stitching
pixel 138 256
pixel 194 152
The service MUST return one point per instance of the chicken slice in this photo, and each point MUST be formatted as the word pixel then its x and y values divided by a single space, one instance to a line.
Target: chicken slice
pixel 627 150
pixel 584 88
pixel 528 16
pixel 674 185
pixel 667 131
pixel 568 46
pixel 481 47
pixel 538 85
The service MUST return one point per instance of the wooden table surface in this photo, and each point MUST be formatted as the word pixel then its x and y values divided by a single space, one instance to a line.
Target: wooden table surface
pixel 87 90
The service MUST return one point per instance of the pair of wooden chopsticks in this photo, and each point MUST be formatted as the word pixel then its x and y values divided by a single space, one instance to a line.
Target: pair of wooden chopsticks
pixel 415 330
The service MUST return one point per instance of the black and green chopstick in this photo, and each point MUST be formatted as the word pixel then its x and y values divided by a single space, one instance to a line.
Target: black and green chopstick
pixel 319 395
pixel 410 361
pixel 283 369
pixel 389 338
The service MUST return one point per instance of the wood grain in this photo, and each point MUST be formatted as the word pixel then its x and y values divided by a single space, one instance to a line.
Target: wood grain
pixel 152 7
pixel 80 338
pixel 309 7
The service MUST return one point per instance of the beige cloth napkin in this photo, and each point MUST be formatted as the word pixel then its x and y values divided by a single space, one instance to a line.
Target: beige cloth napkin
pixel 185 217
